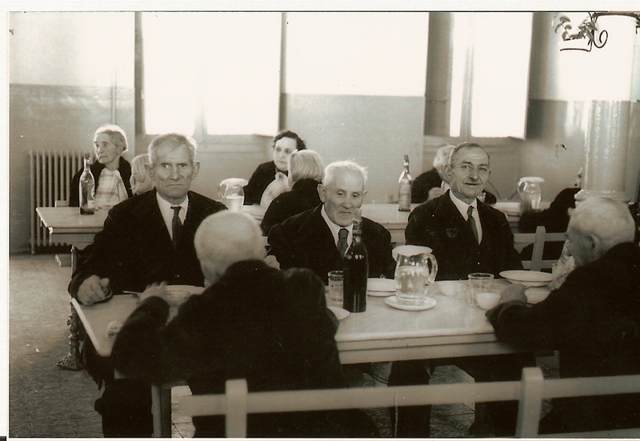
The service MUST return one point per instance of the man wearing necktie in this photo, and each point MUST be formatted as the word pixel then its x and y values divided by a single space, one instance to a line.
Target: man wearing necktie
pixel 466 236
pixel 318 238
pixel 146 239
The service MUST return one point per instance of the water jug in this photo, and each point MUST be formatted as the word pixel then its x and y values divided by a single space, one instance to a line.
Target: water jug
pixel 530 191
pixel 416 269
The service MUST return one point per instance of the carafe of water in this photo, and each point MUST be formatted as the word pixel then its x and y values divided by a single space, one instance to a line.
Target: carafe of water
pixel 530 191
pixel 416 269
pixel 231 193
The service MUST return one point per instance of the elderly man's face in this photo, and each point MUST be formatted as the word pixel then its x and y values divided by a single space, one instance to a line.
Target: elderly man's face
pixel 343 197
pixel 107 152
pixel 468 173
pixel 172 172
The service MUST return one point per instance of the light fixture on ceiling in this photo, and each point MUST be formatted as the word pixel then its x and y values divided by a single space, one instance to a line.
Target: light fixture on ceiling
pixel 587 34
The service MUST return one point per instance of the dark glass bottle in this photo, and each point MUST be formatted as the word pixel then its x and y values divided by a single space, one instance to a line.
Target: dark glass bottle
pixel 87 189
pixel 356 272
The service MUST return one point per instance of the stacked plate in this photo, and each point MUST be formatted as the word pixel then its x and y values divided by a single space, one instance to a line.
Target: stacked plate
pixel 381 287
pixel 527 278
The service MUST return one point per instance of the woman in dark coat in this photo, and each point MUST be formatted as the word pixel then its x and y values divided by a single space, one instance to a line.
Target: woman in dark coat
pixel 110 170
pixel 306 171
pixel 272 174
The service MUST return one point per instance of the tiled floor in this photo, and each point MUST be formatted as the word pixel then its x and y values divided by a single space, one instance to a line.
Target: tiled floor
pixel 47 402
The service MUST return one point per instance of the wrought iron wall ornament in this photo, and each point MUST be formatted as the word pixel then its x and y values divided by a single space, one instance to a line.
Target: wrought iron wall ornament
pixel 588 30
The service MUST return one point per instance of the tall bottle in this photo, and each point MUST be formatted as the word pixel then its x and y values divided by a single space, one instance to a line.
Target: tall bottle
pixel 87 189
pixel 356 272
pixel 404 187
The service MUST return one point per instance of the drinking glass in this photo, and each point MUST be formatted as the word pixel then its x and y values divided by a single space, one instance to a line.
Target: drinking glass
pixel 478 283
pixel 336 280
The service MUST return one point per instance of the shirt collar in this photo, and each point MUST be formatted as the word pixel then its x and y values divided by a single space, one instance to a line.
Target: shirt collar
pixel 167 212
pixel 335 228
pixel 463 206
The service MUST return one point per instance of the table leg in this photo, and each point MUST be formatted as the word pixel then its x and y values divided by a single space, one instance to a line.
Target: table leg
pixel 161 410
pixel 73 361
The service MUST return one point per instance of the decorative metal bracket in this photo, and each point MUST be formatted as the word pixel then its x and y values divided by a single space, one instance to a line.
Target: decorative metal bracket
pixel 589 30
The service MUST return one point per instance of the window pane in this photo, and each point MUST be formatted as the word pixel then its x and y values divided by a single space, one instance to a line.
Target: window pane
pixel 221 68
pixel 351 53
pixel 501 48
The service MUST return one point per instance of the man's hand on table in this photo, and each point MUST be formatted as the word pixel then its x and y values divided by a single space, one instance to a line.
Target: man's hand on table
pixel 155 289
pixel 513 293
pixel 93 290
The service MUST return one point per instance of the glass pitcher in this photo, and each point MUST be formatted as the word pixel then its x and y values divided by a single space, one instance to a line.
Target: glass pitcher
pixel 231 193
pixel 530 191
pixel 416 269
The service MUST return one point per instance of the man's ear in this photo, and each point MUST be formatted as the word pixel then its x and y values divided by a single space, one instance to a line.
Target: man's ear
pixel 322 192
pixel 447 171
pixel 596 245
pixel 196 169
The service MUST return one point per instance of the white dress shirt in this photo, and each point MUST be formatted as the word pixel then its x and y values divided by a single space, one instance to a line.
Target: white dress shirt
pixel 335 228
pixel 167 212
pixel 463 207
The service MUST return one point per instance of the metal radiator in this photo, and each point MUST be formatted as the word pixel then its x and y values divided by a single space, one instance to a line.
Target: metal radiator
pixel 50 182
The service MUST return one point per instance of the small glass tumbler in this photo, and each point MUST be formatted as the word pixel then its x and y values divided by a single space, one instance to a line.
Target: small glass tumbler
pixel 336 280
pixel 478 282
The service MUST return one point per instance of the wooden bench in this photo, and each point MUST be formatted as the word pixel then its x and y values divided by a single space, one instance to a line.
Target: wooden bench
pixel 237 402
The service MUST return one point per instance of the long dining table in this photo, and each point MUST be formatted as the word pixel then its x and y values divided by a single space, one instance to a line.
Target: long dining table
pixel 450 329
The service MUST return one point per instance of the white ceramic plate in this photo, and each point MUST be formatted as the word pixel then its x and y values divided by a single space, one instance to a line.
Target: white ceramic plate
pixel 393 302
pixel 527 278
pixel 340 313
pixel 536 295
pixel 381 287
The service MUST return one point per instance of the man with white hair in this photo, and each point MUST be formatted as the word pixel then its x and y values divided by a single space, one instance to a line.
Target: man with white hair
pixel 318 238
pixel 592 319
pixel 252 321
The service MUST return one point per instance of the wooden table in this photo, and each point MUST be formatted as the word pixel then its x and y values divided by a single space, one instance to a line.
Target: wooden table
pixel 381 333
pixel 67 225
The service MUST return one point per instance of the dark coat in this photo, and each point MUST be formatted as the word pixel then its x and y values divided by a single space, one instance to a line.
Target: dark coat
pixel 302 197
pixel 267 326
pixel 134 249
pixel 305 241
pixel 260 180
pixel 439 225
pixel 96 168
pixel 593 320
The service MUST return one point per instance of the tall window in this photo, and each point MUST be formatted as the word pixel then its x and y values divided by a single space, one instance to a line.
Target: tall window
pixel 215 73
pixel 490 74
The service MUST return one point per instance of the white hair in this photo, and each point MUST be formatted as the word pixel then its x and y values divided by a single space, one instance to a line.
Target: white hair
pixel 334 168
pixel 442 157
pixel 605 218
pixel 225 238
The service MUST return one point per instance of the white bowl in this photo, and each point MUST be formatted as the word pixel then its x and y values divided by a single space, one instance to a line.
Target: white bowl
pixel 527 278
pixel 450 288
pixel 487 300
pixel 176 297
pixel 536 295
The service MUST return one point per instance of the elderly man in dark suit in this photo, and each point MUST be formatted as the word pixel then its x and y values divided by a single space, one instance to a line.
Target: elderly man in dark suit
pixel 318 238
pixel 146 239
pixel 466 236
pixel 255 322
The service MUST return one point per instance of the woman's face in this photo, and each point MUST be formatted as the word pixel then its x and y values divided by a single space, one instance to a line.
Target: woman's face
pixel 281 151
pixel 107 152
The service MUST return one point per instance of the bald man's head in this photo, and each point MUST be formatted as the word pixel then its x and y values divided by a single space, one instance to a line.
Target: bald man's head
pixel 225 238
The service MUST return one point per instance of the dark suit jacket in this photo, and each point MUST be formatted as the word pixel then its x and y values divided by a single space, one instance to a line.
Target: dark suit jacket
pixel 302 197
pixel 260 180
pixel 305 241
pixel 439 225
pixel 267 326
pixel 134 249
pixel 593 320
pixel 96 168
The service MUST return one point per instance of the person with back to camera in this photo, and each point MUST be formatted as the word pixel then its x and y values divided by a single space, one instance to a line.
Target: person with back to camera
pixel 255 322
pixel 466 236
pixel 146 239
pixel 270 178
pixel 140 180
pixel 305 173
pixel 592 319
pixel 110 170
pixel 433 183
